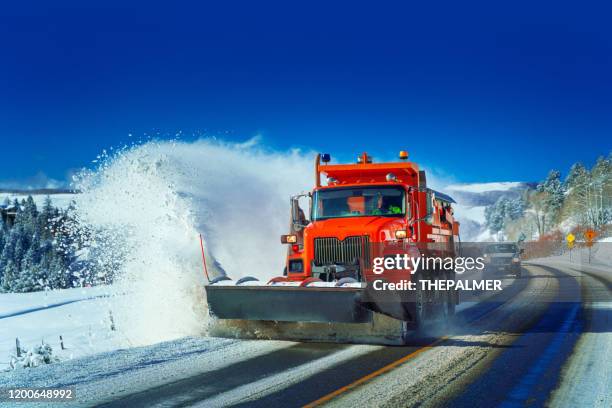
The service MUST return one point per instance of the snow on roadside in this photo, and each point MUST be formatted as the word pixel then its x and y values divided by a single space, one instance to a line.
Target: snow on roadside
pixel 80 316
pixel 600 257
pixel 12 303
pixel 102 377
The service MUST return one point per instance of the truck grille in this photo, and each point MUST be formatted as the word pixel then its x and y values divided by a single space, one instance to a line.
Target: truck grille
pixel 333 251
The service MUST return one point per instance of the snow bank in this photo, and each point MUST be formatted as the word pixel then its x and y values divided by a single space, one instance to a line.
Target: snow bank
pixel 39 355
pixel 599 255
pixel 80 316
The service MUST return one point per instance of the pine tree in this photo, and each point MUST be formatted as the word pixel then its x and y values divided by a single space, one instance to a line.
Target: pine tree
pixel 553 194
pixel 601 178
pixel 576 174
pixel 589 194
pixel 514 208
pixel 21 245
pixel 2 242
pixel 45 218
pixel 9 280
pixel 39 250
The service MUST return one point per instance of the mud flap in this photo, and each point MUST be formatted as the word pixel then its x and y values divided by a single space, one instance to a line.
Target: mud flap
pixel 288 303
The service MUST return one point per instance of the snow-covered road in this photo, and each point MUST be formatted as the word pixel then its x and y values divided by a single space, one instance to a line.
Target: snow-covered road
pixel 525 346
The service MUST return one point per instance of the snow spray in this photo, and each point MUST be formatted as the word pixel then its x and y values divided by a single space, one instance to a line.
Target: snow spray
pixel 153 200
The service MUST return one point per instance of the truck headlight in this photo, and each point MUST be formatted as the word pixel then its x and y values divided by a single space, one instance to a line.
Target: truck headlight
pixel 400 234
pixel 515 259
pixel 288 239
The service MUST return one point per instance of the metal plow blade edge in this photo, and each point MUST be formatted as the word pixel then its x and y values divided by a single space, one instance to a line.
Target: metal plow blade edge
pixel 314 314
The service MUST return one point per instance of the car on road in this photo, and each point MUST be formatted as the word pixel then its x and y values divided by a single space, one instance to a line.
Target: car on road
pixel 503 256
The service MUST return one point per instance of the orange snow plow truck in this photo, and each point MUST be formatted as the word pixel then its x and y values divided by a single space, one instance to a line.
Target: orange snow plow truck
pixel 334 287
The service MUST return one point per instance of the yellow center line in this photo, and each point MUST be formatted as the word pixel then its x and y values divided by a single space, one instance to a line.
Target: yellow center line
pixel 374 374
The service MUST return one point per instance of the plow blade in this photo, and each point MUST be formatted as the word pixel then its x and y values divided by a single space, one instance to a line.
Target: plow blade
pixel 288 304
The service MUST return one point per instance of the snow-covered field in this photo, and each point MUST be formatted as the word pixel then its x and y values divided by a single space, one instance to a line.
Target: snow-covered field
pixel 80 316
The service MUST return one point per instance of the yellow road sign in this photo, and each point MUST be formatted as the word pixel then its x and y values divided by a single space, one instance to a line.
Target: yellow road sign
pixel 570 238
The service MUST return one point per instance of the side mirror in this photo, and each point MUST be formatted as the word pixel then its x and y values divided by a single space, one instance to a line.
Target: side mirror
pixel 522 250
pixel 298 218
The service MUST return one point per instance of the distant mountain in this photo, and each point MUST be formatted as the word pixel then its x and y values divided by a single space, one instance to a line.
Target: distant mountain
pixel 483 194
pixel 37 191
pixel 60 197
pixel 472 200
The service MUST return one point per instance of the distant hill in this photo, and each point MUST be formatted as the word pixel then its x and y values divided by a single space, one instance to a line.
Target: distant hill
pixel 472 200
pixel 60 197
pixel 483 194
pixel 37 191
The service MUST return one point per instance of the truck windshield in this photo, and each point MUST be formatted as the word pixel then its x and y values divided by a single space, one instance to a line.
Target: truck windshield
pixel 358 202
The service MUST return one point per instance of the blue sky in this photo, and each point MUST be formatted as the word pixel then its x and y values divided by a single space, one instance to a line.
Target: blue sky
pixel 480 92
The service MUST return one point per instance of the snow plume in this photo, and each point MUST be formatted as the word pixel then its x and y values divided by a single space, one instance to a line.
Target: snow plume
pixel 153 200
